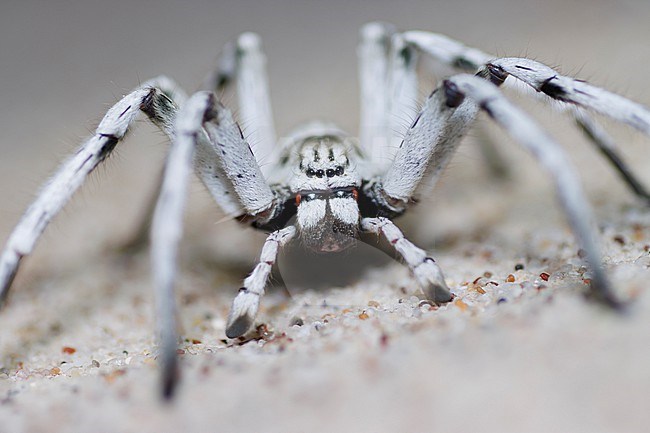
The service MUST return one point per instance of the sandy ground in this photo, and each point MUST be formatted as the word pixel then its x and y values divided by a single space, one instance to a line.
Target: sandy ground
pixel 77 350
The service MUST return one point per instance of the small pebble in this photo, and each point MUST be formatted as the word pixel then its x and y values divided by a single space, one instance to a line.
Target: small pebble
pixel 460 304
pixel 68 350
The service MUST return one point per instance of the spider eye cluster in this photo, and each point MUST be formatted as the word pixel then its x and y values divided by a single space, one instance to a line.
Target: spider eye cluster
pixel 330 172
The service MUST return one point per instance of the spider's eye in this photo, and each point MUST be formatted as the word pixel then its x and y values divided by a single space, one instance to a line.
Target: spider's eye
pixel 310 172
pixel 310 197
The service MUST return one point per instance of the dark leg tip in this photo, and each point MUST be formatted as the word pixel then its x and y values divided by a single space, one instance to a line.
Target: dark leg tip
pixel 601 292
pixel 170 378
pixel 608 301
pixel 169 388
pixel 239 326
pixel 439 294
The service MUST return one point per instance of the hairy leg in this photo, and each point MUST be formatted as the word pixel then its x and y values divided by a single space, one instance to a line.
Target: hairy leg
pixel 153 99
pixel 552 158
pixel 246 303
pixel 458 57
pixel 243 64
pixel 424 268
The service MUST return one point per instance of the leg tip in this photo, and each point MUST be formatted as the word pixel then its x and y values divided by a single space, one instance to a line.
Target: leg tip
pixel 439 294
pixel 168 390
pixel 169 376
pixel 607 299
pixel 602 292
pixel 239 326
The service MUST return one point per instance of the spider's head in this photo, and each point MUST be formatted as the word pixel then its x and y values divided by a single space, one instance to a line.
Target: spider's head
pixel 326 185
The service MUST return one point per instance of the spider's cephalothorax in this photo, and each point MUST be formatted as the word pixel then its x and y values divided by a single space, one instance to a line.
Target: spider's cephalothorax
pixel 326 191
pixel 332 188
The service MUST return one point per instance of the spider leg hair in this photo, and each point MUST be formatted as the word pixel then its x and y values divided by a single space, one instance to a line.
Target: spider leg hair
pixel 605 143
pixel 424 268
pixel 202 124
pixel 426 149
pixel 225 149
pixel 566 89
pixel 552 158
pixel 154 98
pixel 166 232
pixel 389 93
pixel 461 58
pixel 375 91
pixel 246 303
pixel 224 155
pixel 403 88
pixel 243 63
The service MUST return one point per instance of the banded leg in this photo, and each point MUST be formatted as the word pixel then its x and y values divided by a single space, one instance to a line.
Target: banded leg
pixel 608 148
pixel 224 160
pixel 424 268
pixel 246 303
pixel 228 169
pixel 140 235
pixel 389 92
pixel 374 129
pixel 427 148
pixel 241 62
pixel 166 232
pixel 207 138
pixel 461 58
pixel 153 99
pixel 548 81
pixel 244 63
pixel 403 87
pixel 552 158
pixel 584 96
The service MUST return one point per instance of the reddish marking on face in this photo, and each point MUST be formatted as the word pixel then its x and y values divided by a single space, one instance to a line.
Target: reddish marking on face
pixel 297 199
pixel 355 194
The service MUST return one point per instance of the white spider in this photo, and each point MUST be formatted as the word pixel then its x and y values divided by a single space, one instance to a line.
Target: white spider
pixel 332 186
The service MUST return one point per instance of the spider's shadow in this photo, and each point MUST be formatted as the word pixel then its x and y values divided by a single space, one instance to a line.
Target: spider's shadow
pixel 299 269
